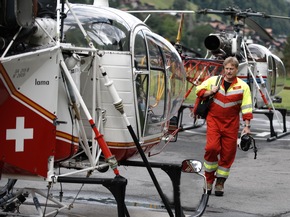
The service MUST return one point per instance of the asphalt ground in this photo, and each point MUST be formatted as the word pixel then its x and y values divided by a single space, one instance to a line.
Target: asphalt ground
pixel 256 187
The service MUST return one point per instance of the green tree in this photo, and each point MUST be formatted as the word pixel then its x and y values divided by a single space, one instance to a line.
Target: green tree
pixel 114 3
pixel 164 25
pixel 195 38
pixel 286 56
pixel 267 7
pixel 179 4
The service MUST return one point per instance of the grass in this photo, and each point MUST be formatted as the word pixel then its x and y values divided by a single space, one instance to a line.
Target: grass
pixel 284 94
pixel 191 97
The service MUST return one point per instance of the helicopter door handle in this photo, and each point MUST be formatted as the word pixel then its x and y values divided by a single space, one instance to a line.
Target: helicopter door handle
pixel 60 122
pixel 138 72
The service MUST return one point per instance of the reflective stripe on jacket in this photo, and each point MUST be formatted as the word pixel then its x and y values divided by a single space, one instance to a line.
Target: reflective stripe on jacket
pixel 229 104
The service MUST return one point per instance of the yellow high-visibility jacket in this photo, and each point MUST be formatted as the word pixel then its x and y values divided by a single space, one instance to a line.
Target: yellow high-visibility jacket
pixel 229 104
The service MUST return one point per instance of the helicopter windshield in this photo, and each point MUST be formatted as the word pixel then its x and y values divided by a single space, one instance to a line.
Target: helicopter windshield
pixel 257 54
pixel 107 30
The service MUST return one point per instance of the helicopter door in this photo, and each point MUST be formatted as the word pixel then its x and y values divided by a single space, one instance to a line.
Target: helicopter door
pixel 271 80
pixel 142 78
pixel 279 75
pixel 157 100
pixel 151 83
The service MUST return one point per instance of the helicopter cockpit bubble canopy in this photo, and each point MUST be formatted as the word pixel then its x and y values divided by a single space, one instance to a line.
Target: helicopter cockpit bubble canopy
pixel 147 70
pixel 106 27
pixel 270 67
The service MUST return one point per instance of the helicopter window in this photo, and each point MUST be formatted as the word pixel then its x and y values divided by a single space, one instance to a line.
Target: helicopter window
pixel 176 75
pixel 156 114
pixel 107 36
pixel 140 61
pixel 106 32
pixel 157 71
pixel 278 76
pixel 157 87
pixel 140 55
pixel 257 54
pixel 271 78
pixel 142 96
pixel 156 57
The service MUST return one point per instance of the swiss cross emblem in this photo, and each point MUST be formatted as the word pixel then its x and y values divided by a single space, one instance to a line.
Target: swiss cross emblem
pixel 19 134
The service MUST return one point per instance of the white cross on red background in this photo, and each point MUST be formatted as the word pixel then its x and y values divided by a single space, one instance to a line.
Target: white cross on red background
pixel 19 134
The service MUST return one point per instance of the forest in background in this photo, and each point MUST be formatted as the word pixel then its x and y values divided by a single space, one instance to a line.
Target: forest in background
pixel 197 27
pixel 269 7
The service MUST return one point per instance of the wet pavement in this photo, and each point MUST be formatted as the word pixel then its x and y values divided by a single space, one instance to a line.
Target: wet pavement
pixel 256 187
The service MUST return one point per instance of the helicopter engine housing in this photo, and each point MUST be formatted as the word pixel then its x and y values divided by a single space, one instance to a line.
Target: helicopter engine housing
pixel 222 44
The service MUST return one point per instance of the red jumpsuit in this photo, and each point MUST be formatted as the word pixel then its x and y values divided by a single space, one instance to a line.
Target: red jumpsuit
pixel 223 123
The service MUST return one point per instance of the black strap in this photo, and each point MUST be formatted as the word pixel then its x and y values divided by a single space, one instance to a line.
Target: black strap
pixel 255 148
pixel 218 84
pixel 218 81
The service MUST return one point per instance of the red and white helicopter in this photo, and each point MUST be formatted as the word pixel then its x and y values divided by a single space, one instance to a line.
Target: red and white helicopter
pixel 82 80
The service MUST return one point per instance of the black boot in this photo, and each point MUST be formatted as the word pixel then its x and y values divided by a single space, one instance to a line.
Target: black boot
pixel 219 186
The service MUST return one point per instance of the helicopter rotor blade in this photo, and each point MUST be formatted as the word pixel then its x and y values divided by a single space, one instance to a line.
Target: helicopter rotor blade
pixel 239 13
pixel 162 12
pixel 245 15
pixel 259 29
pixel 212 11
pixel 279 17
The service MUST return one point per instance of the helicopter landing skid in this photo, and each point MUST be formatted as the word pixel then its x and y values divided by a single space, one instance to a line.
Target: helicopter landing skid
pixel 174 173
pixel 48 205
pixel 14 201
pixel 117 186
pixel 269 113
